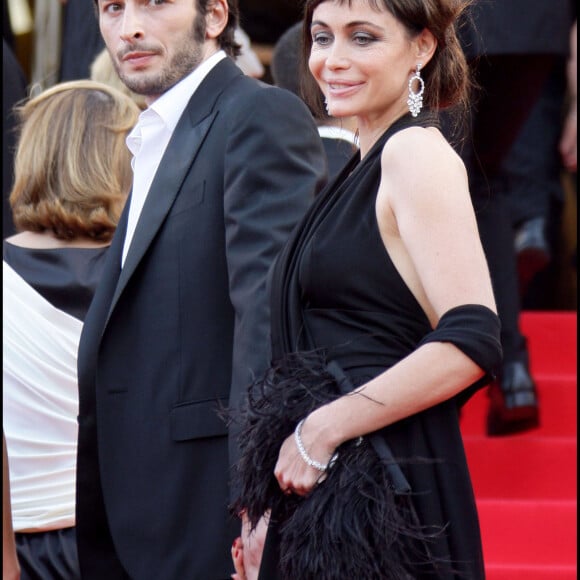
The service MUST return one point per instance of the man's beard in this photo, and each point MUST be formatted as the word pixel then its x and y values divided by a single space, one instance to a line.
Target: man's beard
pixel 189 56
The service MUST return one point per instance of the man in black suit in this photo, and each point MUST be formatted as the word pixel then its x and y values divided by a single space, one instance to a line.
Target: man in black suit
pixel 224 166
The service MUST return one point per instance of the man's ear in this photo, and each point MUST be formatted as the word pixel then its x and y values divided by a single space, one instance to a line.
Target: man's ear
pixel 216 18
pixel 426 44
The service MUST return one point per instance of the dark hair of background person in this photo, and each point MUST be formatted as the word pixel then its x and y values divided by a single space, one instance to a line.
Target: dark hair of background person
pixel 447 77
pixel 61 185
pixel 285 66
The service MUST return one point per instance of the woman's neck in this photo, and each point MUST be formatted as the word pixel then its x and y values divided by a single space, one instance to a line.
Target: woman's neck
pixel 371 127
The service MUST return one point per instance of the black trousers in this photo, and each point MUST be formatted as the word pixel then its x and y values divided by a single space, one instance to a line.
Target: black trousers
pixel 509 86
pixel 48 555
pixel 533 167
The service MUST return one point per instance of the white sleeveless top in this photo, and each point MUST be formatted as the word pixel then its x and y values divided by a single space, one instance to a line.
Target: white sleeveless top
pixel 40 406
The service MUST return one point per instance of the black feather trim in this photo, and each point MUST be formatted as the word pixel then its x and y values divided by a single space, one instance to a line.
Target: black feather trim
pixel 353 524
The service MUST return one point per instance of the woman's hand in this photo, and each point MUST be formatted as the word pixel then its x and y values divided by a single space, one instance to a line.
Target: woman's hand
pixel 293 473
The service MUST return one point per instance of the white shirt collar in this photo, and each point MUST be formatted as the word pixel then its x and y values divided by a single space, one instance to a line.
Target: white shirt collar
pixel 336 132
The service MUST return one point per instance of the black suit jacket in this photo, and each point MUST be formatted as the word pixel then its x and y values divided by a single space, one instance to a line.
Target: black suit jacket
pixel 181 330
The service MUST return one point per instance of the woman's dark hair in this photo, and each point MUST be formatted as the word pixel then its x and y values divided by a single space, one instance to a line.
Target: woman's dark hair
pixel 446 75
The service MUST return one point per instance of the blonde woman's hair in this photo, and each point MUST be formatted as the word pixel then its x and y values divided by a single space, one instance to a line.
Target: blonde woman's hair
pixel 72 169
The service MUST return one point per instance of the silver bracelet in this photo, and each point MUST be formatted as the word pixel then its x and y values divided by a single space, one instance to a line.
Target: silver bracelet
pixel 307 459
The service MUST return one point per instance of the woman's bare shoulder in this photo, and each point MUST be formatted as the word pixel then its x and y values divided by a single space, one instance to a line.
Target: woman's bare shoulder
pixel 420 159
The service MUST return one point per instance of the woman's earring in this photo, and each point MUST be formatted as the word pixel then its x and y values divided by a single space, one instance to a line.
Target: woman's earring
pixel 415 100
pixel 326 105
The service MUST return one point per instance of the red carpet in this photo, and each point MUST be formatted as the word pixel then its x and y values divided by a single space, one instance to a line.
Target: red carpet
pixel 525 484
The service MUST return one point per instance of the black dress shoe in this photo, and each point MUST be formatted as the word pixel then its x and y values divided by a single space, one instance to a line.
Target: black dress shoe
pixel 532 250
pixel 513 401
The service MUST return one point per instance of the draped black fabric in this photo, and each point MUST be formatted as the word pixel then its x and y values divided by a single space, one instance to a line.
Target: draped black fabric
pixel 475 330
pixel 287 320
pixel 66 277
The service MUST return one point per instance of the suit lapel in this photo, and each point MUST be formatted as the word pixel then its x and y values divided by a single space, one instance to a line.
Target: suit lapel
pixel 173 169
pixel 175 165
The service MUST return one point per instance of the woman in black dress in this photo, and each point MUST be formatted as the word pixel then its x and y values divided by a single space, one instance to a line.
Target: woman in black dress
pixel 383 322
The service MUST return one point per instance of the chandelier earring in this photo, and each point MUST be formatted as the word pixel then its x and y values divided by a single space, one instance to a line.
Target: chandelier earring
pixel 415 100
